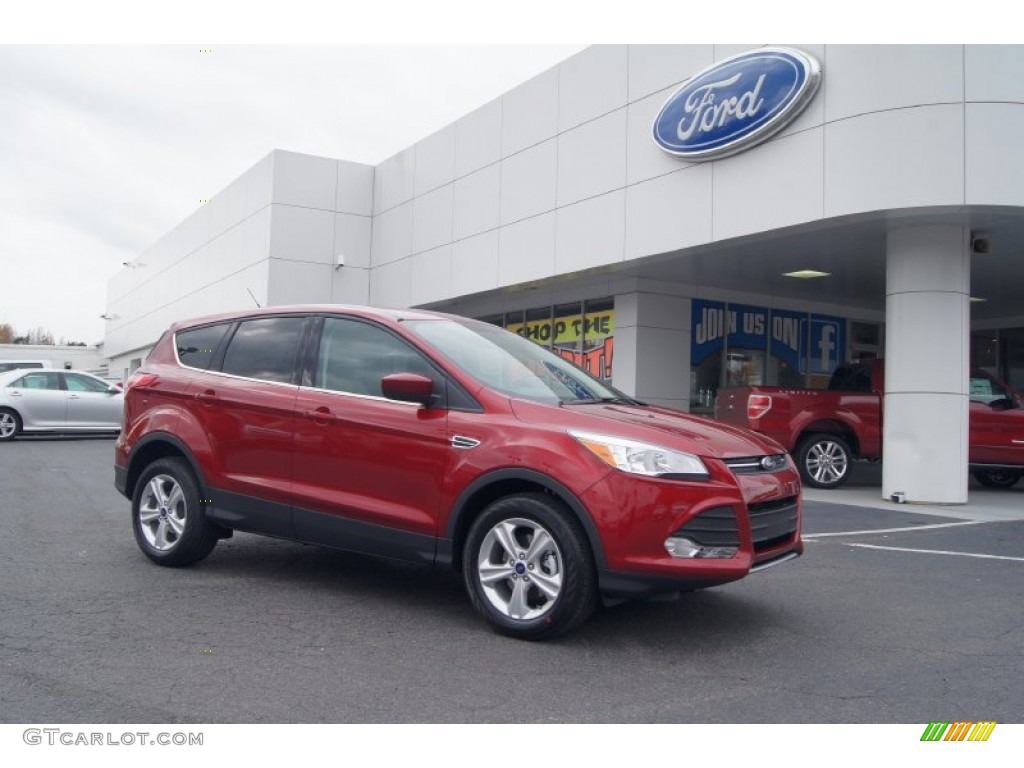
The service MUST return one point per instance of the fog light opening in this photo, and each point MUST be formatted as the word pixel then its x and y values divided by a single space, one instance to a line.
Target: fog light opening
pixel 688 549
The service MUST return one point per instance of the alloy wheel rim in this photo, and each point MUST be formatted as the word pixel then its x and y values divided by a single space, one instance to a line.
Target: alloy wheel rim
pixel 826 462
pixel 162 512
pixel 519 567
pixel 7 425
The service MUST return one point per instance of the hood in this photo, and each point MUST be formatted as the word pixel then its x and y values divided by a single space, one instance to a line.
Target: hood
pixel 663 426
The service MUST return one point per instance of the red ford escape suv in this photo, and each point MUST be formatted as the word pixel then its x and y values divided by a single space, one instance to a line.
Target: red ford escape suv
pixel 437 439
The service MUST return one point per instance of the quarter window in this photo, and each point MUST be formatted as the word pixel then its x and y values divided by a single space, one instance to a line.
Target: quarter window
pixel 265 349
pixel 198 347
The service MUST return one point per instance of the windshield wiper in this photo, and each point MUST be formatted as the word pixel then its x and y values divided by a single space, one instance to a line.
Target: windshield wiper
pixel 621 400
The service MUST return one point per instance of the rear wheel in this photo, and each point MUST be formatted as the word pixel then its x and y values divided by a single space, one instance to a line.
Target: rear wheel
pixel 528 568
pixel 824 461
pixel 998 478
pixel 168 518
pixel 10 424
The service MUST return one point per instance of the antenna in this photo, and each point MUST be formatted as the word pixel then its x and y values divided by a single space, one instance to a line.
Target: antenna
pixel 254 299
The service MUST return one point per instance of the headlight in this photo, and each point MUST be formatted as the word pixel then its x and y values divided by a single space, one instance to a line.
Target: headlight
pixel 643 458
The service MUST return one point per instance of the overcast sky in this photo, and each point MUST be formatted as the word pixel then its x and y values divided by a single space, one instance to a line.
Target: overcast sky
pixel 105 148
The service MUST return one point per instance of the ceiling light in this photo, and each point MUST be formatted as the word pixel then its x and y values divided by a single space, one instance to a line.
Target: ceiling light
pixel 806 274
pixel 977 299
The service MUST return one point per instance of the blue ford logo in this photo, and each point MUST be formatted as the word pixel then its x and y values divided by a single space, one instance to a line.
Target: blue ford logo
pixel 737 103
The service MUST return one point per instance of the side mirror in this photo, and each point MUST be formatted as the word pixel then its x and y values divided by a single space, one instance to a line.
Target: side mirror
pixel 408 388
pixel 113 390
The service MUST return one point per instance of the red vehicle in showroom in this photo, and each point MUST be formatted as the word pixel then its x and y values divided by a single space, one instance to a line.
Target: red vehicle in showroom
pixel 827 429
pixel 442 440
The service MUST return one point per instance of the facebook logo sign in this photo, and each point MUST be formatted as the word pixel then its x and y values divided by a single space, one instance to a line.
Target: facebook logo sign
pixel 824 346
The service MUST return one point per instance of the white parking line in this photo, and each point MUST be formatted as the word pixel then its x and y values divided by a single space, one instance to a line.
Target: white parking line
pixel 937 552
pixel 809 536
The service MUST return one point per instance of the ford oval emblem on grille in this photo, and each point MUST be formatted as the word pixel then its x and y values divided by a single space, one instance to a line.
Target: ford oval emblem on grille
pixel 737 103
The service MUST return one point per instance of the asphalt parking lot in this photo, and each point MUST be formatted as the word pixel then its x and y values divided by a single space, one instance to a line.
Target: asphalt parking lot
pixel 877 625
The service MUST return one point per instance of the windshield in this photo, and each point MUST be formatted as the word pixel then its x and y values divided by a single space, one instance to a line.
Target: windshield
pixel 511 364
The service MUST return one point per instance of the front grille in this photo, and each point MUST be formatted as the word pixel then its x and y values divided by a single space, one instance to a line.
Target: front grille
pixel 715 527
pixel 773 522
pixel 749 465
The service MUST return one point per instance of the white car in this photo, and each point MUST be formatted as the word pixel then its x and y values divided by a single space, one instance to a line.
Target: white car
pixel 55 400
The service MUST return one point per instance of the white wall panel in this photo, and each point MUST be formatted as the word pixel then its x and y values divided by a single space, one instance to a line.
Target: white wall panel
pixel 778 185
pixel 644 158
pixel 392 235
pixel 390 284
pixel 350 285
pixel 591 83
pixel 432 219
pixel 305 180
pixel 870 78
pixel 897 159
pixel 669 212
pixel 301 234
pixel 993 72
pixel 355 188
pixel 530 113
pixel 431 276
pixel 394 181
pixel 592 158
pixel 590 233
pixel 352 239
pixel 653 68
pixel 475 264
pixel 526 250
pixel 477 202
pixel 478 139
pixel 993 174
pixel 528 182
pixel 293 282
pixel 435 160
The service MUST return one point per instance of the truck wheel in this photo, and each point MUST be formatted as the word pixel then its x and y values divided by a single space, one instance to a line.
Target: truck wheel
pixel 998 478
pixel 824 461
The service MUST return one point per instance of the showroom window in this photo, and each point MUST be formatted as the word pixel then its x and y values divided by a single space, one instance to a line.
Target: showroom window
pixel 736 345
pixel 581 332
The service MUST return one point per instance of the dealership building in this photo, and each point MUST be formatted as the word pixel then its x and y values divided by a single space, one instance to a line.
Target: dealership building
pixel 675 219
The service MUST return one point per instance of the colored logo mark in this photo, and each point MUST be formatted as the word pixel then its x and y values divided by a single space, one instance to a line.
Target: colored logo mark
pixel 958 731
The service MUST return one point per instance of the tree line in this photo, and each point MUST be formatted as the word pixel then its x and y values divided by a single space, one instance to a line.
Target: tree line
pixel 40 335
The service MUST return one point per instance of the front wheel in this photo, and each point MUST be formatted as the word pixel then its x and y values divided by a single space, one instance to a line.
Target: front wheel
pixel 10 424
pixel 528 568
pixel 998 478
pixel 824 461
pixel 168 518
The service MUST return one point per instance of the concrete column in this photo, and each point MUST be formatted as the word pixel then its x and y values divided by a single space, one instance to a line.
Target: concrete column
pixel 652 348
pixel 927 362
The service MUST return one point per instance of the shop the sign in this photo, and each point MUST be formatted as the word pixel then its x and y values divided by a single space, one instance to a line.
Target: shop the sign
pixel 737 103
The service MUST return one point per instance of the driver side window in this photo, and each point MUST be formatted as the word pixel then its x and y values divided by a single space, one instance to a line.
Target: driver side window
pixel 354 356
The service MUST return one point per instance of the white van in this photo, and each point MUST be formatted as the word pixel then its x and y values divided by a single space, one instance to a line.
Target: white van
pixel 10 365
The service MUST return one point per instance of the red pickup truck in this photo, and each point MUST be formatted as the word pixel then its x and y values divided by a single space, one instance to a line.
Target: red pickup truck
pixel 825 430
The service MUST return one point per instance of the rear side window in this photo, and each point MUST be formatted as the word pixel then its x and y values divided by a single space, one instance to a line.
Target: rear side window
pixel 37 381
pixel 198 347
pixel 355 356
pixel 265 348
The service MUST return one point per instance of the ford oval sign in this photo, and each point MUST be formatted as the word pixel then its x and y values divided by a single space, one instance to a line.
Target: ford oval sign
pixel 737 103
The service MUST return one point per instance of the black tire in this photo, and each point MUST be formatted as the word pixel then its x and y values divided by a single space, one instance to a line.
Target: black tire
pixel 568 562
pixel 998 478
pixel 173 531
pixel 824 461
pixel 10 424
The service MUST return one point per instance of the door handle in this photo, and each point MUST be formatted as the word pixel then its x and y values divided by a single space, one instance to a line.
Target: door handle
pixel 206 397
pixel 74 397
pixel 15 393
pixel 321 415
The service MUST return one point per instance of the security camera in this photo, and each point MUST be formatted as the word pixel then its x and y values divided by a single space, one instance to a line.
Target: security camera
pixel 980 244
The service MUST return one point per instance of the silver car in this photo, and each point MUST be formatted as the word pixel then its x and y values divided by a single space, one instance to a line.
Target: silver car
pixel 53 400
